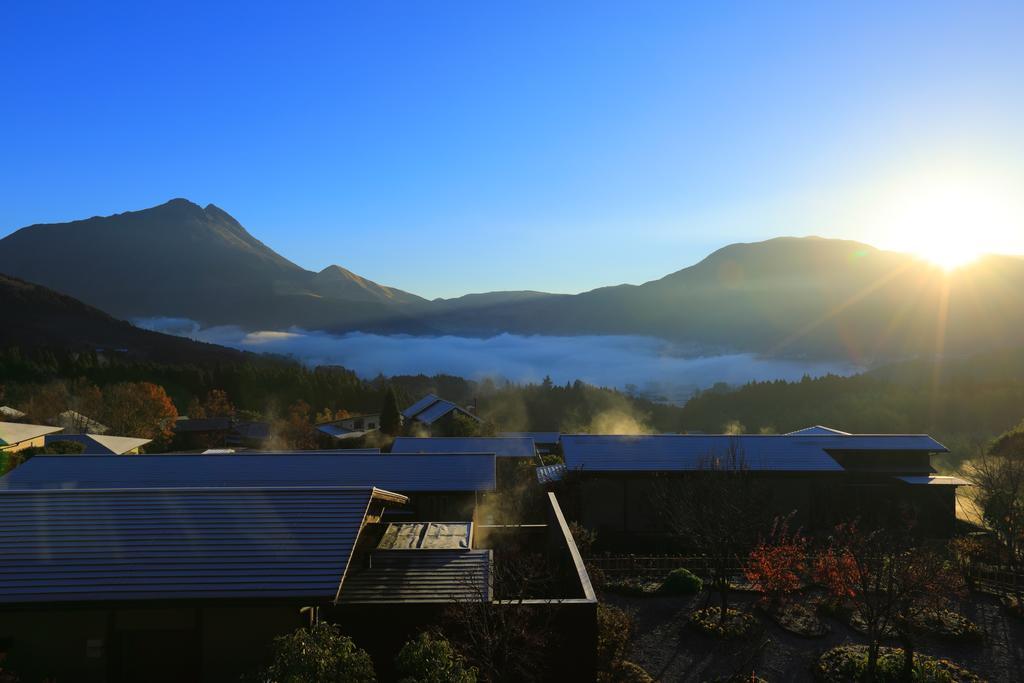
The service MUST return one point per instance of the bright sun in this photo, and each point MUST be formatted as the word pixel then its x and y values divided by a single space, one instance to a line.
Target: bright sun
pixel 953 222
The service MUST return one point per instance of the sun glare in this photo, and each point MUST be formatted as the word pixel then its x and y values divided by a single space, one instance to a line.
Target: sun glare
pixel 952 223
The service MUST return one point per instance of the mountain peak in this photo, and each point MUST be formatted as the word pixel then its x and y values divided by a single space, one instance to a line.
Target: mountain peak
pixel 177 203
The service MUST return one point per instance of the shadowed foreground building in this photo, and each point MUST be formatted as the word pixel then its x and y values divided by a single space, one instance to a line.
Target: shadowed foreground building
pixel 169 584
pixel 184 567
pixel 613 484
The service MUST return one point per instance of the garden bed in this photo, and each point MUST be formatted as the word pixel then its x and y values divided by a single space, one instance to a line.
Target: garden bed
pixel 849 663
pixel 799 620
pixel 737 624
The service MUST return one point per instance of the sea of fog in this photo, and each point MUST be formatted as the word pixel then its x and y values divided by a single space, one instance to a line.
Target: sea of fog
pixel 642 365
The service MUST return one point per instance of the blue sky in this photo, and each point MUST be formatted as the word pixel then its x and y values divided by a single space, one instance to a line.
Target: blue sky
pixel 454 147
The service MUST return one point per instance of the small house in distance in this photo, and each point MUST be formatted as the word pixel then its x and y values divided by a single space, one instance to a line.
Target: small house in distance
pixel 612 484
pixel 435 415
pixel 101 444
pixel 16 436
pixel 9 413
pixel 74 422
pixel 346 429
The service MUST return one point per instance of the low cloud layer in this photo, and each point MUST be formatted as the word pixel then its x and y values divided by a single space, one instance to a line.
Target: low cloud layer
pixel 652 367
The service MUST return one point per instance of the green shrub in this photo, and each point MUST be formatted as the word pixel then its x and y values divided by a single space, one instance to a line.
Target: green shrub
pixel 682 582
pixel 736 625
pixel 614 627
pixel 850 663
pixel 319 654
pixel 432 659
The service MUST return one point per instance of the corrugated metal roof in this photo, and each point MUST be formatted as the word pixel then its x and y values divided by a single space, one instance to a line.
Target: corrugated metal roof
pixel 436 472
pixel 341 433
pixel 419 406
pixel 439 410
pixel 101 444
pixel 934 481
pixel 538 437
pixel 12 433
pixel 594 453
pixel 665 452
pixel 509 447
pixel 818 430
pixel 421 576
pixel 882 442
pixel 548 474
pixel 99 545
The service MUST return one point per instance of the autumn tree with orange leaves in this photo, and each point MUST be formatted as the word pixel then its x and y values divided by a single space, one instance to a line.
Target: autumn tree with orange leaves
pixel 140 409
pixel 777 566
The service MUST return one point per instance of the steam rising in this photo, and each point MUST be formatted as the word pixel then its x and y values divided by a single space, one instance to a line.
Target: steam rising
pixel 642 365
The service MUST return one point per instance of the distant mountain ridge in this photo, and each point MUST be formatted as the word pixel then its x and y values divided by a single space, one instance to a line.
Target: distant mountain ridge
pixel 182 260
pixel 781 297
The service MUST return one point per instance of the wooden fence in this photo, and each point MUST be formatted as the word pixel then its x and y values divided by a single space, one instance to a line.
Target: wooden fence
pixel 1003 581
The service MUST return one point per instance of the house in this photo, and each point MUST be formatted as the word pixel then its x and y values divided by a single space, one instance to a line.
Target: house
pixel 101 444
pixel 439 486
pixel 9 413
pixel 170 584
pixel 435 415
pixel 612 483
pixel 545 442
pixel 74 422
pixel 348 429
pixel 220 432
pixel 15 436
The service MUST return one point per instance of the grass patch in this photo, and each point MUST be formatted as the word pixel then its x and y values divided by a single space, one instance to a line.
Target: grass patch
pixel 850 662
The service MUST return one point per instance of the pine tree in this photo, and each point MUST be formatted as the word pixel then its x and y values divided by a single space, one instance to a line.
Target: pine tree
pixel 390 417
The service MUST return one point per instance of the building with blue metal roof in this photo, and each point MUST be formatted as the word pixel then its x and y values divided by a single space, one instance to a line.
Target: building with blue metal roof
pixel 502 447
pixel 440 486
pixel 408 473
pixel 170 584
pixel 825 474
pixel 435 414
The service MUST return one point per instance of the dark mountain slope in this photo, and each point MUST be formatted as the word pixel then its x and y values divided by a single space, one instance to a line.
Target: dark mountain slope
pixel 36 317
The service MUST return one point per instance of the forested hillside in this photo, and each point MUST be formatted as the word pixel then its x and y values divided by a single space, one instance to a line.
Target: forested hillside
pixel 963 402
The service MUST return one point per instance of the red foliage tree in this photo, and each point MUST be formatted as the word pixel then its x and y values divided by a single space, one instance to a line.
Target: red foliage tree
pixel 776 567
